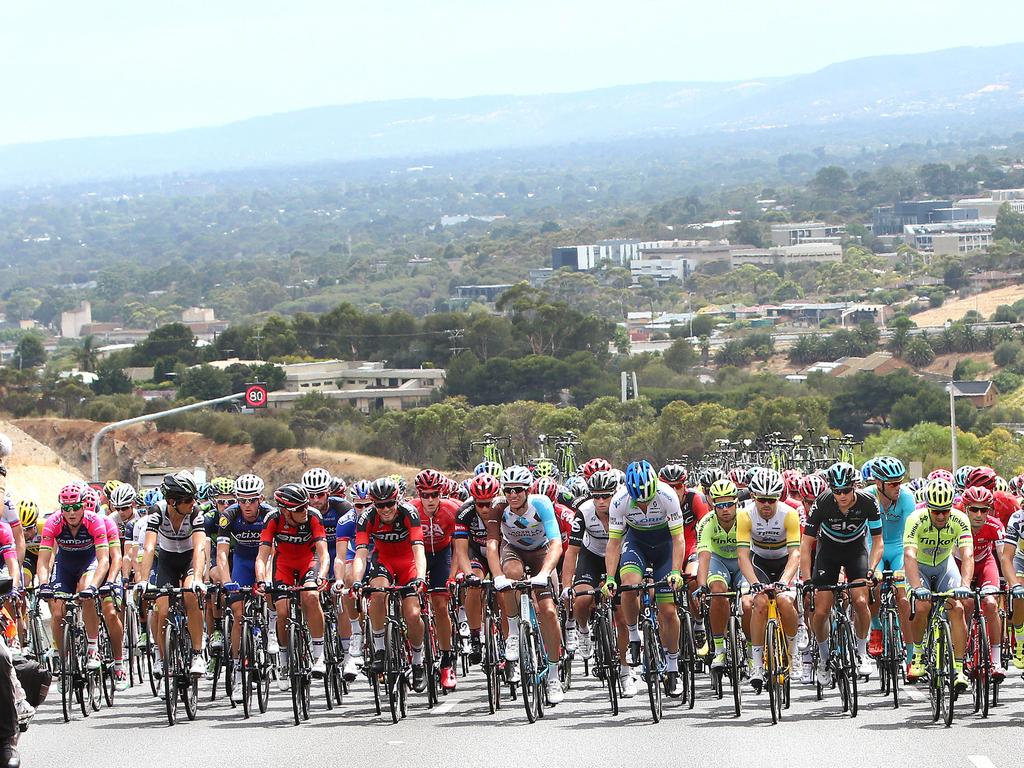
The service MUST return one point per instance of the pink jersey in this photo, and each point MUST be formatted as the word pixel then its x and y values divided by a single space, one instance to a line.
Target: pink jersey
pixel 7 548
pixel 81 543
pixel 113 536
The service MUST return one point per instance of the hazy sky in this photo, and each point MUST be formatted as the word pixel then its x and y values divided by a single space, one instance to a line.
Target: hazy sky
pixel 100 67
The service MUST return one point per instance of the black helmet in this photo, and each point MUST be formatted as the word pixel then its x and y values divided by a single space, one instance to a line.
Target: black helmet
pixel 291 496
pixel 180 485
pixel 603 482
pixel 384 489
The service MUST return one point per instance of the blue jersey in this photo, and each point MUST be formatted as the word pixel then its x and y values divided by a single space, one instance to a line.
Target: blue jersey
pixel 346 529
pixel 894 523
pixel 242 536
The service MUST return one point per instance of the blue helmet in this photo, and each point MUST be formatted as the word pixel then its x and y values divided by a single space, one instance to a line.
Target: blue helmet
pixel 488 467
pixel 360 490
pixel 841 475
pixel 887 469
pixel 641 481
pixel 867 470
pixel 153 495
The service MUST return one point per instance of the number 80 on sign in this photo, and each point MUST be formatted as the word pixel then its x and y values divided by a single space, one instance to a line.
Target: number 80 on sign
pixel 256 396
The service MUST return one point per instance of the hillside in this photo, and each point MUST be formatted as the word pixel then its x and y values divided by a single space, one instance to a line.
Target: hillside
pixel 985 303
pixel 35 472
pixel 124 451
pixel 926 95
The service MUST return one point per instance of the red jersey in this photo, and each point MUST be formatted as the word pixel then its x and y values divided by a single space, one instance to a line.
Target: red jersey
pixel 391 541
pixel 566 516
pixel 693 506
pixel 1005 505
pixel 439 529
pixel 985 538
pixel 295 544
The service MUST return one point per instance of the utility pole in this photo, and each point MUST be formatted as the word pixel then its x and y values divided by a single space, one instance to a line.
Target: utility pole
pixel 952 423
pixel 258 337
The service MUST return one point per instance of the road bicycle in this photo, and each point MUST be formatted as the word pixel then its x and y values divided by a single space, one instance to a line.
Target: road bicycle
pixel 178 681
pixel 76 682
pixel 778 665
pixel 493 661
pixel 104 648
pixel 565 453
pixel 220 658
pixel 494 447
pixel 533 657
pixel 939 660
pixel 132 629
pixel 40 646
pixel 565 608
pixel 254 662
pixel 606 665
pixel 300 650
pixel 652 660
pixel 735 652
pixel 335 686
pixel 688 659
pixel 842 659
pixel 978 657
pixel 891 661
pixel 431 652
pixel 397 654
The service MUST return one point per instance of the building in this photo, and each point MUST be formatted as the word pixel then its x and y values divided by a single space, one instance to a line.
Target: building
pixel 807 232
pixel 988 207
pixel 72 320
pixel 368 386
pixel 578 258
pixel 891 219
pixel 982 393
pixel 482 293
pixel 198 315
pixel 787 255
pixel 950 239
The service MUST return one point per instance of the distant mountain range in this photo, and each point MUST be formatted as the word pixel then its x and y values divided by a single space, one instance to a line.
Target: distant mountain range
pixel 979 89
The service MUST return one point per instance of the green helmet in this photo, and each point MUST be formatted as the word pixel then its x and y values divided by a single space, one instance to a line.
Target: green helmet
pixel 222 486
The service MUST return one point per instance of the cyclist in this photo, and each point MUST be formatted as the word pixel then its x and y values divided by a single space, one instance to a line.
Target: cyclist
pixel 176 538
pixel 438 520
pixel 32 526
pixel 1011 558
pixel 295 537
pixel 836 529
pixel 78 540
pixel 398 559
pixel 768 551
pixel 931 536
pixel 896 505
pixel 645 530
pixel 470 548
pixel 216 496
pixel 988 534
pixel 345 540
pixel 522 534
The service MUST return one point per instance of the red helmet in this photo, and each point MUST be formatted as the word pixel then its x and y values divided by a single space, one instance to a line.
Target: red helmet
pixel 791 477
pixel 430 480
pixel 978 496
pixel 812 486
pixel 595 465
pixel 484 487
pixel 983 476
pixel 545 486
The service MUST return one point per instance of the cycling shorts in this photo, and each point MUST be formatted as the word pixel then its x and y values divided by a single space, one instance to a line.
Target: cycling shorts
pixel 528 559
pixel 173 568
pixel 397 573
pixel 942 577
pixel 768 570
pixel 643 550
pixel 726 570
pixel 589 569
pixel 69 573
pixel 986 573
pixel 243 571
pixel 293 577
pixel 831 558
pixel 439 569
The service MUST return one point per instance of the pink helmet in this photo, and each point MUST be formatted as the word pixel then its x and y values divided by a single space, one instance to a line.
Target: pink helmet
pixel 70 494
pixel 91 499
pixel 941 474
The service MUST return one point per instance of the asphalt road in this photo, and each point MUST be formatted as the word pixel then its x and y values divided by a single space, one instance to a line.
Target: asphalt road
pixel 578 732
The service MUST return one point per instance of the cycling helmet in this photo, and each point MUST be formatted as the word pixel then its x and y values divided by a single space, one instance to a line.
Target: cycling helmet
pixel 710 476
pixel 152 496
pixel 484 487
pixel 595 465
pixel 460 491
pixel 109 486
pixel 603 481
pixel 28 513
pixel 1002 485
pixel 917 482
pixel 812 486
pixel 249 486
pixel 400 484
pixel 431 480
pixel 360 490
pixel 722 489
pixel 791 480
pixel 91 499
pixel 545 486
pixel 983 476
pixel 738 475
pixel 960 477
pixel 641 481
pixel 70 494
pixel 921 494
pixel 1015 484
pixel 941 474
pixel 181 485
pixel 867 470
pixel 384 489
pixel 978 496
pixel 487 468
pixel 888 469
pixel 577 489
pixel 222 486
pixel 544 468
pixel 205 492
pixel 516 476
pixel 840 475
pixel 673 474
pixel 767 483
pixel 292 496
pixel 123 496
pixel 336 486
pixel 316 480
pixel 940 494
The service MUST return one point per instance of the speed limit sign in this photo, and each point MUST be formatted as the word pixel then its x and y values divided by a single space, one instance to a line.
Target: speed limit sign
pixel 256 396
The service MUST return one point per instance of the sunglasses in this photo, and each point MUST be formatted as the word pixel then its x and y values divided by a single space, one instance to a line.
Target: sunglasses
pixel 843 491
pixel 765 499
pixel 430 495
pixel 385 504
pixel 601 495
pixel 724 504
pixel 978 509
pixel 320 495
pixel 181 499
pixel 678 486
pixel 939 510
pixel 253 500
pixel 363 506
pixel 223 502
pixel 72 507
pixel 484 504
pixel 515 490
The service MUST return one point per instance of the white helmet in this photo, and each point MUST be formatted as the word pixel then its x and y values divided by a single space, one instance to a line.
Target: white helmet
pixel 248 486
pixel 316 480
pixel 123 496
pixel 517 476
pixel 766 482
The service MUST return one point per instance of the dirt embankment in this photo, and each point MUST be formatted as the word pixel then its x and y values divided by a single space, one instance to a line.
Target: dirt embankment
pixel 124 451
pixel 34 471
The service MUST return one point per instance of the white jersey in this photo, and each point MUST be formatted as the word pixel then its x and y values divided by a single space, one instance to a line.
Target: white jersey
pixel 662 511
pixel 588 531
pixel 772 538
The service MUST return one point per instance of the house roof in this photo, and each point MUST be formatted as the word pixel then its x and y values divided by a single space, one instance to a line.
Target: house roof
pixel 971 388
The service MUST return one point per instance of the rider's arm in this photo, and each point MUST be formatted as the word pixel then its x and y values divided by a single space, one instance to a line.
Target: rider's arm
pixel 43 564
pixel 18 532
pixel 11 559
pixel 1006 554
pixel 743 546
pixel 419 556
pixel 674 518
pixel 806 558
pixel 965 545
pixel 913 572
pixel 460 556
pixel 148 553
pixel 223 571
pixel 493 545
pixel 199 550
pixel 102 563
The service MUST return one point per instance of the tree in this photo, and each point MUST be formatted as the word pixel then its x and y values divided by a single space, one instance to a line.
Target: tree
pixel 1009 224
pixel 111 380
pixel 749 232
pixel 85 356
pixel 831 181
pixel 919 352
pixel 680 357
pixel 29 352
pixel 174 341
pixel 204 382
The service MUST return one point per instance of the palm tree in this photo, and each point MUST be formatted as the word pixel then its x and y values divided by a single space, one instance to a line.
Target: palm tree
pixel 705 350
pixel 85 356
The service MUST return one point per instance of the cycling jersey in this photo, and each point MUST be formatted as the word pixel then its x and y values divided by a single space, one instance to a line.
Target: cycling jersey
pixel 126 528
pixel 588 532
pixel 10 515
pixel 694 508
pixel 7 548
pixel 336 509
pixel 169 538
pixel 829 525
pixel 243 537
pixel 534 527
pixel 933 544
pixel 985 538
pixel 772 538
pixel 439 529
pixel 713 538
pixel 472 523
pixel 346 531
pixel 662 512
pixel 79 545
pixel 894 517
pixel 294 545
pixel 1015 538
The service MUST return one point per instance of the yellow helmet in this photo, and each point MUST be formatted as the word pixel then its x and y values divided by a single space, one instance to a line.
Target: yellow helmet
pixel 110 485
pixel 722 489
pixel 28 513
pixel 940 494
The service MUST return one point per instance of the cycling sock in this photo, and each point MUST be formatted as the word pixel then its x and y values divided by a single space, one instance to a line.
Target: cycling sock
pixel 862 647
pixel 584 630
pixel 570 624
pixel 552 670
pixel 345 643
pixel 317 646
pixel 417 655
pixel 513 626
pixel 876 623
pixel 447 658
pixel 757 653
pixel 118 661
pixel 634 632
pixel 823 649
pixel 94 646
pixel 462 615
pixel 671 661
pixel 791 644
pixel 357 628
pixel 997 655
pixel 283 658
pixel 378 641
pixel 719 643
pixel 474 633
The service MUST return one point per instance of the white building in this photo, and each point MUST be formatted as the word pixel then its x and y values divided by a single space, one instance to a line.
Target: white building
pixel 807 232
pixel 71 321
pixel 368 386
pixel 788 255
pixel 950 238
pixel 988 207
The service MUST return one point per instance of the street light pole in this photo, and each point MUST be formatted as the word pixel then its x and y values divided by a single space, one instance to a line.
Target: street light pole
pixel 952 422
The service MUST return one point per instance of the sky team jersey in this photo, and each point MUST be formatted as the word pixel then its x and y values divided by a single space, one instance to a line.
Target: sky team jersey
pixel 80 544
pixel 534 527
pixel 713 538
pixel 827 523
pixel 662 512
pixel 771 538
pixel 439 529
pixel 933 544
pixel 987 537
pixel 391 541
pixel 894 519
pixel 588 531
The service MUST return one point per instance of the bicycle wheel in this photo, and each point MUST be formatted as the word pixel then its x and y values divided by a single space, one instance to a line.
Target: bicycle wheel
pixel 604 661
pixel 171 666
pixel 150 651
pixel 849 661
pixel 894 653
pixel 371 673
pixel 773 672
pixel 687 660
pixel 247 666
pixel 430 661
pixel 395 672
pixel 131 641
pixel 947 691
pixel 68 669
pixel 491 664
pixel 263 664
pixel 527 671
pixel 189 683
pixel 294 673
pixel 106 673
pixel 983 666
pixel 225 657
pixel 86 679
pixel 733 641
pixel 540 663
pixel 652 668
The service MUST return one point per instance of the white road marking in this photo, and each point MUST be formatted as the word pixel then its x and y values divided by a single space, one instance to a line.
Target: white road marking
pixel 395 743
pixel 980 761
pixel 445 708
